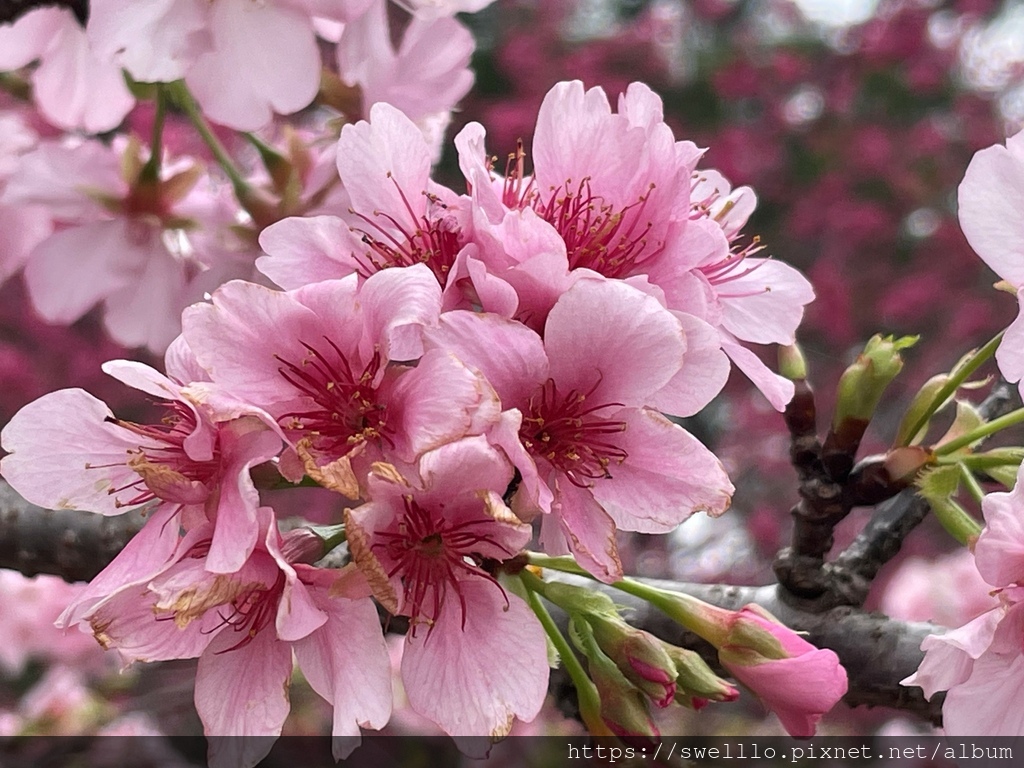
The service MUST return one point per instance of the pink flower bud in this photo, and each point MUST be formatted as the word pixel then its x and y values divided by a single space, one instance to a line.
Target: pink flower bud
pixel 795 680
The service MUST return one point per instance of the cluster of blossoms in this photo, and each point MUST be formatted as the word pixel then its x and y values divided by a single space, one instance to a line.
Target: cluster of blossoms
pixel 456 367
pixel 144 233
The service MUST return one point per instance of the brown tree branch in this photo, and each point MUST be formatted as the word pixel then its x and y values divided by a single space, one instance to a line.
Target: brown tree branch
pixel 12 10
pixel 66 543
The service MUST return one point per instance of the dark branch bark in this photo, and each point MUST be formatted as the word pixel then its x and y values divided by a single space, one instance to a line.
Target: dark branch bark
pixel 66 543
pixel 12 10
pixel 850 575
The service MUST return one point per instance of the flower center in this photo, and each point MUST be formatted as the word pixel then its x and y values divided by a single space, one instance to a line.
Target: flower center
pixel 569 432
pixel 346 412
pixel 597 236
pixel 165 470
pixel 433 240
pixel 433 556
pixel 252 610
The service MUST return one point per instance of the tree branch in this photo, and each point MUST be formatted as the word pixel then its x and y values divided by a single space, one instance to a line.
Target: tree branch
pixel 850 575
pixel 67 543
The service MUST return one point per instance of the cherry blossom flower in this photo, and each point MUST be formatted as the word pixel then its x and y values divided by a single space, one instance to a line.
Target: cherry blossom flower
pixel 22 227
pixel 796 681
pixel 475 657
pixel 424 78
pixel 243 61
pixel 125 241
pixel 980 665
pixel 245 627
pixel 330 364
pixel 590 453
pixel 72 86
pixel 616 187
pixel 68 451
pixel 989 198
pixel 398 217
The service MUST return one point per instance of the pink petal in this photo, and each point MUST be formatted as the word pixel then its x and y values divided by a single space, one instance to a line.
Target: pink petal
pixel 989 215
pixel 148 312
pixel 475 680
pixel 76 90
pixel 587 530
pixel 346 662
pixel 29 37
pixel 237 337
pixel 777 389
pixel 463 469
pixel 145 555
pixel 305 250
pixel 72 270
pixel 127 623
pixel 703 375
pixel 244 443
pixel 64 453
pixel 798 690
pixel 950 657
pixel 397 304
pixel 438 401
pixel 385 164
pixel 509 355
pixel 773 312
pixel 577 134
pixel 156 42
pixel 264 60
pixel 1010 355
pixel 22 228
pixel 988 702
pixel 181 364
pixel 667 476
pixel 999 551
pixel 609 332
pixel 243 692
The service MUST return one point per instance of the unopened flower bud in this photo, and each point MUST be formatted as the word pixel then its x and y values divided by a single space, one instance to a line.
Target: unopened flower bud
pixel 797 681
pixel 640 656
pixel 308 545
pixel 919 406
pixel 301 545
pixel 696 682
pixel 792 364
pixel 863 383
pixel 623 706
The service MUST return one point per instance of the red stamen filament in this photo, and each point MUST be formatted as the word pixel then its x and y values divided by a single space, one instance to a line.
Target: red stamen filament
pixel 434 556
pixel 569 433
pixel 346 412
pixel 434 242
pixel 170 435
pixel 597 236
pixel 252 611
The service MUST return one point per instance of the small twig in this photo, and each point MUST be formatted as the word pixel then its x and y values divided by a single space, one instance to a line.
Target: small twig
pixel 12 10
pixel 799 566
pixel 849 577
pixel 66 543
